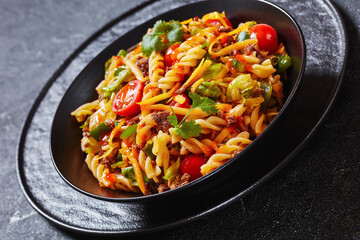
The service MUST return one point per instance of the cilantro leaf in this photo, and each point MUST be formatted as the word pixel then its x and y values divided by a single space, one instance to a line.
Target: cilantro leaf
pixel 173 120
pixel 153 41
pixel 175 35
pixel 206 104
pixel 160 28
pixel 150 43
pixel 173 25
pixel 188 129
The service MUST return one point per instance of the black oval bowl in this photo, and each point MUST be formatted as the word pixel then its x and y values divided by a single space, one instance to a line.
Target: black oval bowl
pixel 239 173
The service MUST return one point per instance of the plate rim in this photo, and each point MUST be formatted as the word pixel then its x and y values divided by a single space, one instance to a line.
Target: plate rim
pixel 255 185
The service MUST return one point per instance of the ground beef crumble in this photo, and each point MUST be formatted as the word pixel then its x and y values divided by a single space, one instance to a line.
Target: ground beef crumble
pixel 143 65
pixel 162 120
pixel 230 120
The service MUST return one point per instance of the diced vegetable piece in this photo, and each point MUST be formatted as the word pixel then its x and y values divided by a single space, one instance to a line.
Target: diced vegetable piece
pixel 122 53
pixel 148 149
pixel 172 171
pixel 117 164
pixel 240 86
pixel 252 23
pixel 238 65
pixel 209 89
pixel 243 36
pixel 99 131
pixel 212 71
pixel 119 157
pixel 129 173
pixel 283 64
pixel 93 146
pixel 121 74
pixel 267 93
pixel 131 130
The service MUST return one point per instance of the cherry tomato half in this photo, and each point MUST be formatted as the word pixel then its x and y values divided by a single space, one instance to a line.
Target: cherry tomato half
pixel 185 104
pixel 171 55
pixel 228 22
pixel 214 22
pixel 105 138
pixel 191 165
pixel 266 36
pixel 125 101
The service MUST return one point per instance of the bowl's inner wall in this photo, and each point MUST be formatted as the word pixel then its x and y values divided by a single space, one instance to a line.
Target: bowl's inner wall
pixel 66 134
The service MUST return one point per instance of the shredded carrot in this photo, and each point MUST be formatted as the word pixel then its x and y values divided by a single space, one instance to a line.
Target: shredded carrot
pixel 135 164
pixel 160 97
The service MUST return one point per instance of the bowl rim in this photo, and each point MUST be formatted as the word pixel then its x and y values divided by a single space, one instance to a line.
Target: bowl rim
pixel 178 190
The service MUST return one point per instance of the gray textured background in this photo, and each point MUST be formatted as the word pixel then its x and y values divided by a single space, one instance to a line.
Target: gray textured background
pixel 315 197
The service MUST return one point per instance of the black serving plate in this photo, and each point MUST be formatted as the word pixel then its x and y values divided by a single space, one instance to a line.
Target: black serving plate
pixel 305 108
pixel 66 135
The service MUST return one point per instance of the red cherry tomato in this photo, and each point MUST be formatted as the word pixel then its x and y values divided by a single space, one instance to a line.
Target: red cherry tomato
pixel 125 101
pixel 215 22
pixel 110 177
pixel 212 22
pixel 191 165
pixel 105 139
pixel 185 104
pixel 171 55
pixel 266 36
pixel 228 22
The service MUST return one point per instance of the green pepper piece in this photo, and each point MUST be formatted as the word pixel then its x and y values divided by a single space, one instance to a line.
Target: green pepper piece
pixel 119 157
pixel 212 71
pixel 243 36
pixel 242 86
pixel 122 53
pixel 172 171
pixel 238 65
pixel 115 165
pixel 121 68
pixel 130 174
pixel 252 23
pixel 283 64
pixel 267 87
pixel 121 76
pixel 131 130
pixel 148 149
pixel 99 131
pixel 209 89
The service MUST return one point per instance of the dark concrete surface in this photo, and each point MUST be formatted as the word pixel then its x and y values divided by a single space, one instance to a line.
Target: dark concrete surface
pixel 315 197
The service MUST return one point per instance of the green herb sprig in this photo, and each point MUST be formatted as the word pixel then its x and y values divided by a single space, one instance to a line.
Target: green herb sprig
pixel 188 129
